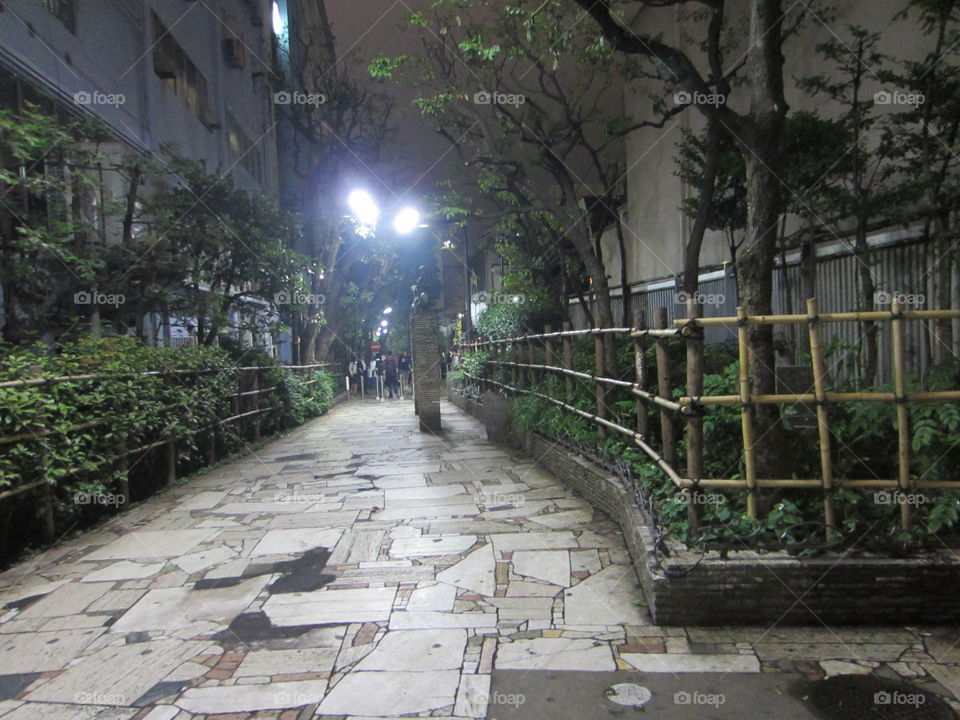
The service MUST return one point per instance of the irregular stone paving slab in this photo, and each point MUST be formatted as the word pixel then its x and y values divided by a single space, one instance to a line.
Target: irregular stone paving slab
pixel 179 607
pixel 391 693
pixel 606 598
pixel 424 649
pixel 533 541
pixel 423 493
pixel 473 696
pixel 357 547
pixel 276 662
pixel 680 663
pixel 426 546
pixel 36 711
pixel 437 598
pixel 283 542
pixel 475 572
pixel 42 651
pixel 330 606
pixel 553 566
pixel 118 675
pixel 141 544
pixel 123 570
pixel 70 599
pixel 249 698
pixel 423 620
pixel 554 654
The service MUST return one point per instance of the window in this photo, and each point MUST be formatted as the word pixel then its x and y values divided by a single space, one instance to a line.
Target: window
pixel 243 149
pixel 179 73
pixel 65 11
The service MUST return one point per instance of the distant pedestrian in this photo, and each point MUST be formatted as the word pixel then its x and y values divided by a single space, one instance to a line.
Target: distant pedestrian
pixel 390 367
pixel 405 368
pixel 443 364
pixel 376 373
pixel 357 370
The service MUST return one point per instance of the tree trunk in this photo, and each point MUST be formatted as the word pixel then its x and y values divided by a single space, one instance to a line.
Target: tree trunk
pixel 691 253
pixel 867 290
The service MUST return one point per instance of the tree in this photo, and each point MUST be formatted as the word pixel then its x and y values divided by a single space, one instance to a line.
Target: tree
pixel 523 95
pixel 758 130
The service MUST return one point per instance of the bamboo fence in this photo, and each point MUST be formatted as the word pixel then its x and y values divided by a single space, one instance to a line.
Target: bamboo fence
pixel 690 408
pixel 247 405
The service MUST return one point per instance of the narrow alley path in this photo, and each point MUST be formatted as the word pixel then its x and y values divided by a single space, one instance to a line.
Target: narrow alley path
pixel 359 568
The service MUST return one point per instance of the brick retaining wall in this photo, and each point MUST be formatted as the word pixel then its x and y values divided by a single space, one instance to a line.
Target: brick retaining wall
pixel 748 588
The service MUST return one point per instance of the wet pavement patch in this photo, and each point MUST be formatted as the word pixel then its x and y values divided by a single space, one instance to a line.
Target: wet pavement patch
pixel 301 575
pixel 256 627
pixel 23 603
pixel 573 695
pixel 160 691
pixel 12 685
pixel 852 697
pixel 295 458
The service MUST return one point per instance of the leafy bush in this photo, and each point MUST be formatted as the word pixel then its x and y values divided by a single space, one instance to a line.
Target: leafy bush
pixel 70 433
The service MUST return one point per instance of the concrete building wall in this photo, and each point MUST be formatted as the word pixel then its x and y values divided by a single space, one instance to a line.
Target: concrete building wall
pixel 110 53
pixel 656 229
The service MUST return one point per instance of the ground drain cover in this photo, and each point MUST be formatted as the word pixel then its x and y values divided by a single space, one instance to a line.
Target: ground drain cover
pixel 628 694
pixel 852 697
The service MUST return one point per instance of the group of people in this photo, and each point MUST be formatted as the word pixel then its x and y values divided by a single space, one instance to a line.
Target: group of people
pixel 366 376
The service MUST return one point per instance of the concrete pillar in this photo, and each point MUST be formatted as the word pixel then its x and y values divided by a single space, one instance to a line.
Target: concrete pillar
pixel 426 370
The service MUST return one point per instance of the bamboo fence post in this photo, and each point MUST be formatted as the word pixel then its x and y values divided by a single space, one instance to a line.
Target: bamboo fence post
pixel 904 483
pixel 640 367
pixel 515 368
pixel 599 386
pixel 547 349
pixel 746 412
pixel 123 465
pixel 823 421
pixel 694 419
pixel 255 402
pixel 531 376
pixel 667 430
pixel 47 506
pixel 568 359
pixel 171 463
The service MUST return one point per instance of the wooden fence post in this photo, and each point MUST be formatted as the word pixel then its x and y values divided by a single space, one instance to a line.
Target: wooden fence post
pixel 746 412
pixel 823 426
pixel 694 418
pixel 515 368
pixel 568 360
pixel 255 401
pixel 667 430
pixel 171 453
pixel 531 378
pixel 904 482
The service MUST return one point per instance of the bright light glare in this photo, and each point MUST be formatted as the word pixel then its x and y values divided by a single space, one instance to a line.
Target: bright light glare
pixel 277 20
pixel 406 221
pixel 387 311
pixel 364 209
pixel 384 323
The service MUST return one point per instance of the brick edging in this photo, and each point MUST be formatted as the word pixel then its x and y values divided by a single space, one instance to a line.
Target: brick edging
pixel 748 588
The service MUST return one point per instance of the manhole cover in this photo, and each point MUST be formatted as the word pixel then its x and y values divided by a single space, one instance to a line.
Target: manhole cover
pixel 852 697
pixel 628 694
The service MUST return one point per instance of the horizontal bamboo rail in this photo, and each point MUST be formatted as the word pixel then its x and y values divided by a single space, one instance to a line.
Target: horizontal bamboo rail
pixel 693 404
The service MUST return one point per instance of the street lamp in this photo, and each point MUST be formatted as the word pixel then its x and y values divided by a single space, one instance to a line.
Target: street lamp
pixel 384 323
pixel 364 208
pixel 406 221
pixel 387 311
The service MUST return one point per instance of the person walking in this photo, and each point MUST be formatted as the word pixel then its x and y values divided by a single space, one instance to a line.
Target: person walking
pixel 405 368
pixel 390 367
pixel 443 364
pixel 376 375
pixel 357 370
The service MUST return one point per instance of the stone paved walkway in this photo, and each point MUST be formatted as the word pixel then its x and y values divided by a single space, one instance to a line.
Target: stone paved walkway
pixel 358 568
